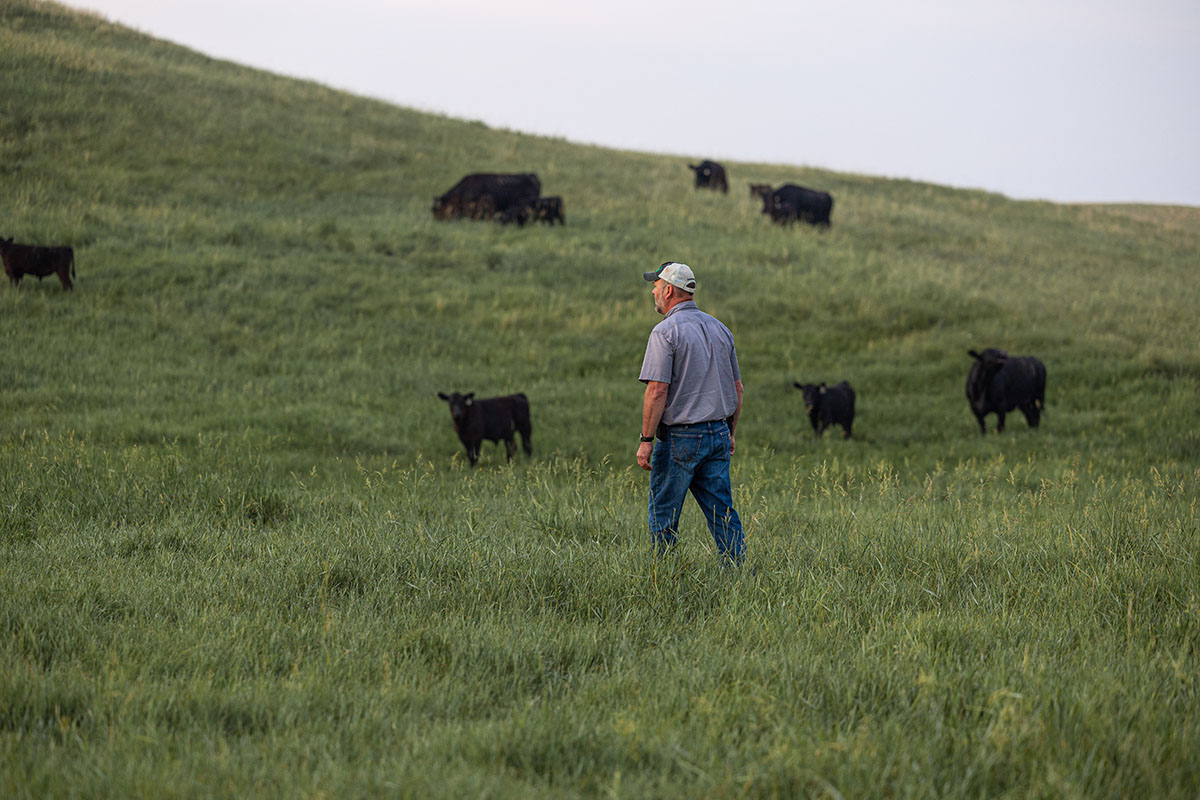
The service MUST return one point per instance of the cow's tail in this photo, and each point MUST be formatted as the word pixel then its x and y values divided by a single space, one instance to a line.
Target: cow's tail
pixel 72 263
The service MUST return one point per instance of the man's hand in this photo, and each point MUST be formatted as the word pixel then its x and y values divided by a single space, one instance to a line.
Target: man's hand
pixel 653 403
pixel 645 451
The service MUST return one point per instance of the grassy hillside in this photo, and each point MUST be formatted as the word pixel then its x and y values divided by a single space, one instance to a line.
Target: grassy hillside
pixel 241 547
pixel 262 238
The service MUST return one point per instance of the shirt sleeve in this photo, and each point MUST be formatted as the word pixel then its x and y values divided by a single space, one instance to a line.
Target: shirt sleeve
pixel 657 364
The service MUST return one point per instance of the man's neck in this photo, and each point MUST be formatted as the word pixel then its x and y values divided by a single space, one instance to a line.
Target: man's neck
pixel 675 302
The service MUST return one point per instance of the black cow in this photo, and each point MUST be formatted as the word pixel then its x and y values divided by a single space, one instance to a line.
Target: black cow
pixel 829 405
pixel 760 190
pixel 517 213
pixel 29 259
pixel 710 175
pixel 549 209
pixel 493 419
pixel 791 203
pixel 998 383
pixel 482 208
pixel 486 195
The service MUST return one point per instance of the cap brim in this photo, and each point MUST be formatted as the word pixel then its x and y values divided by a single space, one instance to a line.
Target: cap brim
pixel 651 276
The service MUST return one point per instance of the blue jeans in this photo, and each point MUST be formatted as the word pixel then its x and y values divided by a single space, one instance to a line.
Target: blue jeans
pixel 694 457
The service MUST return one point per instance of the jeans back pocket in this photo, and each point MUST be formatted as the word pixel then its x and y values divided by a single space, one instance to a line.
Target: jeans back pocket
pixel 685 448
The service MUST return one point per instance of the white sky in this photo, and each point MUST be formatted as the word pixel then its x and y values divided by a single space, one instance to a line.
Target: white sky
pixel 1065 100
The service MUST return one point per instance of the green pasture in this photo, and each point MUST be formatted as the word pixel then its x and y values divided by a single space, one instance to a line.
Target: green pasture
pixel 242 554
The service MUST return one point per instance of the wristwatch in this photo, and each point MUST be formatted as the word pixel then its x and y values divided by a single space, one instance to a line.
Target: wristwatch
pixel 647 439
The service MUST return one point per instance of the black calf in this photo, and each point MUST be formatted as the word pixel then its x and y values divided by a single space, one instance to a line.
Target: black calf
pixel 829 405
pixel 494 419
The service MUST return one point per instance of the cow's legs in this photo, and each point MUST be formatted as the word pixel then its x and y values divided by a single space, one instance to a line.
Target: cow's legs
pixel 1032 415
pixel 982 422
pixel 510 447
pixel 999 422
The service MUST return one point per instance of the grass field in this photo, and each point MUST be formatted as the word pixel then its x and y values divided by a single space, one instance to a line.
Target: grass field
pixel 241 553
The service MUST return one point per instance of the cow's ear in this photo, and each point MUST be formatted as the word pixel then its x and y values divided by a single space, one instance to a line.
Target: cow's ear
pixel 469 397
pixel 797 384
pixel 443 396
pixel 974 355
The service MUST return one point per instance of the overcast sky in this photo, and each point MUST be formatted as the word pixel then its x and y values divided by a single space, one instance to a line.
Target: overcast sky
pixel 1065 100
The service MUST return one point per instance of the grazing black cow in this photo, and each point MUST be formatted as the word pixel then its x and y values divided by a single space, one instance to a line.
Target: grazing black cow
pixel 549 209
pixel 493 419
pixel 29 259
pixel 999 383
pixel 482 208
pixel 517 213
pixel 486 195
pixel 710 175
pixel 829 405
pixel 791 203
pixel 760 190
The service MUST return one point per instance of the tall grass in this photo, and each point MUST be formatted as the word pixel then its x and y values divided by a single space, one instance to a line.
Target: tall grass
pixel 981 636
pixel 243 553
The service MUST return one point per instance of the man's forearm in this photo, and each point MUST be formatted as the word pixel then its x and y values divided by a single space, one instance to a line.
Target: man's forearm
pixel 737 412
pixel 654 401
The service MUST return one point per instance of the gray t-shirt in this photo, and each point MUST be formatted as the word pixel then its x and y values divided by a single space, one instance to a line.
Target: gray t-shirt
pixel 693 352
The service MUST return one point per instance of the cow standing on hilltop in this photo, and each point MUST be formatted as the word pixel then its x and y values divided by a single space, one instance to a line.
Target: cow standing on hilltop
pixel 487 196
pixel 543 209
pixel 999 383
pixel 791 203
pixel 549 210
pixel 829 405
pixel 760 191
pixel 29 259
pixel 520 214
pixel 494 419
pixel 710 175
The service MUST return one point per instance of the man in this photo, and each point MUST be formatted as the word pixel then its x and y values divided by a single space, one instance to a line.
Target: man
pixel 692 403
